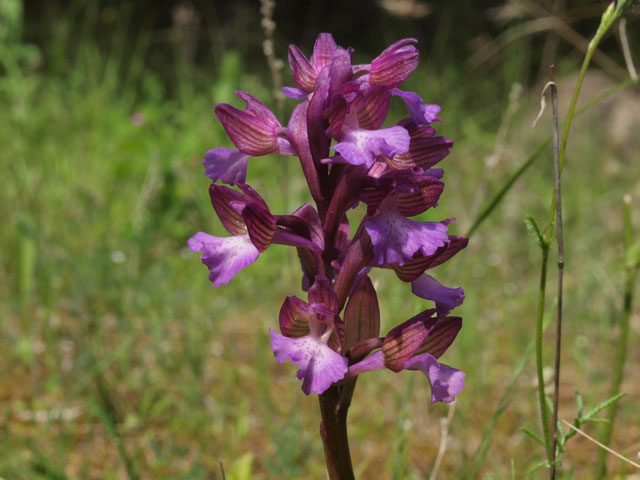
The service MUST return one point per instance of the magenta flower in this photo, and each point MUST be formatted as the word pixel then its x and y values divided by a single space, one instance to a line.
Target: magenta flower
pixel 347 158
pixel 396 238
pixel 308 329
pixel 416 345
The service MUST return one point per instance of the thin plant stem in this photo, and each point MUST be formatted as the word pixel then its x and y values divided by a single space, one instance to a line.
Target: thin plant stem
pixel 533 156
pixel 544 412
pixel 626 51
pixel 623 336
pixel 445 423
pixel 333 430
pixel 560 239
pixel 611 14
pixel 275 65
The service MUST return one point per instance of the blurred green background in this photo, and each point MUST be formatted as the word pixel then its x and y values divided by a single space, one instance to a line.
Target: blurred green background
pixel 122 361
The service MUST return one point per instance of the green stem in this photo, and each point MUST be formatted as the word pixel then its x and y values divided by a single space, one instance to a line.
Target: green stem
pixel 544 412
pixel 609 17
pixel 621 350
pixel 497 198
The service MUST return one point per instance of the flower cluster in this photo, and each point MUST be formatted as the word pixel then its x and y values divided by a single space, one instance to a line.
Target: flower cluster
pixel 347 158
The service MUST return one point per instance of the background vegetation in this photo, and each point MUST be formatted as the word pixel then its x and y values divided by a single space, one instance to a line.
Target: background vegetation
pixel 120 360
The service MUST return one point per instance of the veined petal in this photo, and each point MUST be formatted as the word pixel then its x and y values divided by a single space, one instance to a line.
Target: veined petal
pixel 441 337
pixel 226 165
pixel 372 108
pixel 320 366
pixel 421 113
pixel 413 269
pixel 361 147
pixel 222 199
pixel 224 256
pixel 294 317
pixel 396 239
pixel 424 152
pixel 446 382
pixel 340 68
pixel 403 341
pixel 253 131
pixel 304 73
pixel 395 64
pixel 425 196
pixel 261 225
pixel 427 287
pixel 323 51
pixel 322 293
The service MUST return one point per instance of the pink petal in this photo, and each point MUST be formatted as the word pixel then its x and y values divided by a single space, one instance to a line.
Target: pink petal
pixel 446 382
pixel 224 256
pixel 253 131
pixel 396 239
pixel 361 147
pixel 427 287
pixel 320 366
pixel 226 165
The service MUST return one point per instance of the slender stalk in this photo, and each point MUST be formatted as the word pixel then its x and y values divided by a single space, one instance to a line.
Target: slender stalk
pixel 611 14
pixel 333 430
pixel 497 198
pixel 544 415
pixel 621 350
pixel 626 51
pixel 558 197
pixel 267 8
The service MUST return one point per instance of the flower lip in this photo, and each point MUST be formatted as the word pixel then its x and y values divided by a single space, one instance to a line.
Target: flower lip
pixel 320 366
pixel 224 257
pixel 396 238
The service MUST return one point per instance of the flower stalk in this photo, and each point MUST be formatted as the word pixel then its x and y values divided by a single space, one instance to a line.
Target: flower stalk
pixel 609 17
pixel 333 429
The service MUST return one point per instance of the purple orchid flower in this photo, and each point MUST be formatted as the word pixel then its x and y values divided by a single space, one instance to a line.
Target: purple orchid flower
pixel 416 345
pixel 357 127
pixel 347 157
pixel 308 329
